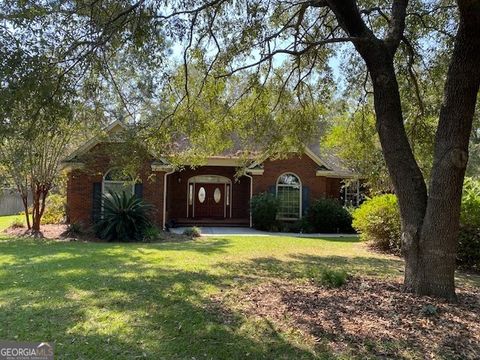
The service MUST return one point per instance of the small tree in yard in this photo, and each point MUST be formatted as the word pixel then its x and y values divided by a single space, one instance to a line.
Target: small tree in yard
pixel 36 128
pixel 33 166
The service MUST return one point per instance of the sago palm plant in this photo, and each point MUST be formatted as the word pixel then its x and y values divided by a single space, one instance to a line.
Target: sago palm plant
pixel 124 218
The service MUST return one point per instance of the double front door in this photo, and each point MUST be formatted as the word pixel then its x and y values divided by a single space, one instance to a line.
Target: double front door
pixel 209 200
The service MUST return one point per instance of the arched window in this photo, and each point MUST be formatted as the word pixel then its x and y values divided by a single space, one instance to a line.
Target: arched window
pixel 116 181
pixel 289 194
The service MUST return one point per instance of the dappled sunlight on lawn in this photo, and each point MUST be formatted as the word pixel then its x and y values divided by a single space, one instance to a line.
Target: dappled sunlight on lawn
pixel 121 301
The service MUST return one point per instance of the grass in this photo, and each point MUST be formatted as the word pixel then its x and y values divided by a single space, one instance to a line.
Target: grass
pixel 6 221
pixel 129 301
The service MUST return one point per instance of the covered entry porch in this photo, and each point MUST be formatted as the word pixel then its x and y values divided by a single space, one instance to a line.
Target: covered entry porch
pixel 208 196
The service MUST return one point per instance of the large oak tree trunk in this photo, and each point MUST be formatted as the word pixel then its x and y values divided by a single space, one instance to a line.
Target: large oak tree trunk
pixel 406 176
pixel 430 222
pixel 439 236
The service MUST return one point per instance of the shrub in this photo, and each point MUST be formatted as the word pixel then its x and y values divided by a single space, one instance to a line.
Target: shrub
pixel 124 218
pixel 378 221
pixel 429 310
pixel 470 214
pixel 151 233
pixel 17 224
pixel 74 230
pixel 468 250
pixel 327 215
pixel 298 226
pixel 333 278
pixel 192 232
pixel 54 209
pixel 264 208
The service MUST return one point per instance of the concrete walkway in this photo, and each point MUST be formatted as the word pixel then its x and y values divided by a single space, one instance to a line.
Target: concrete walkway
pixel 245 231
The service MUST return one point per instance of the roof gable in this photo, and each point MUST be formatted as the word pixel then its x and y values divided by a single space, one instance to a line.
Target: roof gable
pixel 114 128
pixel 328 163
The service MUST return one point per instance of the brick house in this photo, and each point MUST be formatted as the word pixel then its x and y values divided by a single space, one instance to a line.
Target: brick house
pixel 217 193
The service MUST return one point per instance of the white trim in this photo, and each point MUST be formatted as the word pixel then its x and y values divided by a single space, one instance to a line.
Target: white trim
pixel 300 193
pixel 315 157
pixel 230 197
pixel 251 194
pixel 190 193
pixel 210 179
pixel 69 166
pixel 224 200
pixel 161 167
pixel 255 171
pixel 218 161
pixel 165 197
pixel 332 174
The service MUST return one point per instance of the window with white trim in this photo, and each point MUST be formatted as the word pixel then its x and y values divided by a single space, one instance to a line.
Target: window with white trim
pixel 351 193
pixel 116 181
pixel 289 194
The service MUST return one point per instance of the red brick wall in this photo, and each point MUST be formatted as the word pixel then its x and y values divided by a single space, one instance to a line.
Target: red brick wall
pixel 305 168
pixel 80 185
pixel 80 188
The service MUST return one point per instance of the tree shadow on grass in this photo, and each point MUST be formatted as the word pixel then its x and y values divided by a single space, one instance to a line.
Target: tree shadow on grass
pixel 366 318
pixel 303 266
pixel 113 301
pixel 100 302
pixel 339 239
pixel 24 250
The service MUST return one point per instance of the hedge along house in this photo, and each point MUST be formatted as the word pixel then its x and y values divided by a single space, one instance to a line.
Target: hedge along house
pixel 211 194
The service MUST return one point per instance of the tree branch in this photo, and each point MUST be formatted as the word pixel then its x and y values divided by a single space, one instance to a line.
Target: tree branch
pixel 397 24
pixel 306 49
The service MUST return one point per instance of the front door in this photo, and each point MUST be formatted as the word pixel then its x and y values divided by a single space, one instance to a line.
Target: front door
pixel 210 200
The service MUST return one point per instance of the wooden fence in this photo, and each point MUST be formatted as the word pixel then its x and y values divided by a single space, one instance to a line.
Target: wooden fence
pixel 10 202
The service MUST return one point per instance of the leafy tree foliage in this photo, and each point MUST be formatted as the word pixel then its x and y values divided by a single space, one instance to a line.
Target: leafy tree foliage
pixel 35 118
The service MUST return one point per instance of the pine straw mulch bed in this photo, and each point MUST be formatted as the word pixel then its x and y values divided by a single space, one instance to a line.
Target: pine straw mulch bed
pixel 49 231
pixel 367 318
pixel 58 232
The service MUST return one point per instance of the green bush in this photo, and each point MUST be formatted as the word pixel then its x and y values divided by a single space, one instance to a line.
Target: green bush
pixel 264 209
pixel 468 250
pixel 378 221
pixel 329 216
pixel 298 226
pixel 192 232
pixel 470 215
pixel 333 278
pixel 74 230
pixel 17 224
pixel 54 209
pixel 151 233
pixel 124 218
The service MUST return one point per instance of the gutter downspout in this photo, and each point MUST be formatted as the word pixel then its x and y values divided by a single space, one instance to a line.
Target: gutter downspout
pixel 251 193
pixel 165 196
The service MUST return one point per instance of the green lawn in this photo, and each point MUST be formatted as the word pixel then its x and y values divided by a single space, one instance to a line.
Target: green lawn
pixel 128 301
pixel 6 221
